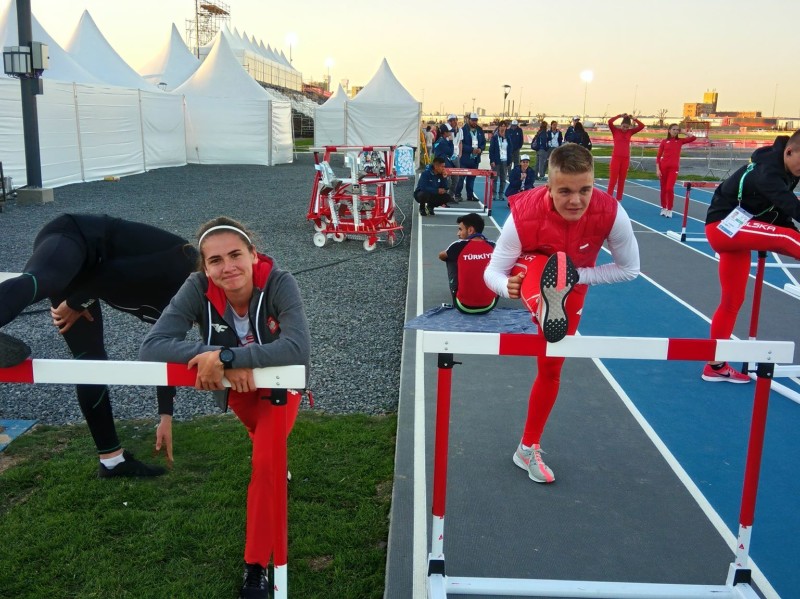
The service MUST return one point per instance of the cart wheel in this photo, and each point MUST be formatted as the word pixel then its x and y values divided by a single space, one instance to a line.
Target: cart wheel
pixel 319 227
pixel 320 239
pixel 370 245
pixel 338 237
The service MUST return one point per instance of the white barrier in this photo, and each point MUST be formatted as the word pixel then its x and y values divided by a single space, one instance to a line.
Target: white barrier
pixel 446 344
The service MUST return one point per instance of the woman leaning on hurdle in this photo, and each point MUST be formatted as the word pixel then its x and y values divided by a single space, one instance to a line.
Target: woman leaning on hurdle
pixel 668 161
pixel 751 210
pixel 250 315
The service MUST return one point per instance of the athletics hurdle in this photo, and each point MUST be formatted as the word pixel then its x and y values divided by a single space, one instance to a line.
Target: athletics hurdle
pixel 446 344
pixel 278 379
pixel 688 186
pixel 488 187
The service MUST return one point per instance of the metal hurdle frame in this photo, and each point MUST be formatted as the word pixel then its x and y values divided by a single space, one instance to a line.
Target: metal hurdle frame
pixel 445 344
pixel 278 379
pixel 688 186
pixel 488 188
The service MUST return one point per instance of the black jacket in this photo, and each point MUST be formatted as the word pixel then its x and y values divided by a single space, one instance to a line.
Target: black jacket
pixel 767 193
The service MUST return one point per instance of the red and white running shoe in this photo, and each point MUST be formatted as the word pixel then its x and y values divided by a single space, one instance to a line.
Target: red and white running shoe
pixel 559 277
pixel 725 374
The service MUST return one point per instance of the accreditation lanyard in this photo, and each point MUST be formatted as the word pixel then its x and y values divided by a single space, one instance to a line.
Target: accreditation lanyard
pixel 738 217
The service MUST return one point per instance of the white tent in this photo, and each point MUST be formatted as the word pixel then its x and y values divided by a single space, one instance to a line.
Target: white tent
pixel 383 113
pixel 173 64
pixel 329 120
pixel 231 119
pixel 88 128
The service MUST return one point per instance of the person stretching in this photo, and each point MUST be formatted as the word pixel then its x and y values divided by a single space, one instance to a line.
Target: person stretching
pixel 621 154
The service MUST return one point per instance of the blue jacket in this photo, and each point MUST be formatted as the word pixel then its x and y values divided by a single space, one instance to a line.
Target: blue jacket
pixel 494 149
pixel 430 182
pixel 539 141
pixel 516 138
pixel 444 148
pixel 466 147
pixel 571 136
pixel 550 136
pixel 515 183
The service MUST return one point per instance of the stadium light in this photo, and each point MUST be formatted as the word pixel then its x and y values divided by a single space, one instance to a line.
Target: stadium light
pixel 586 77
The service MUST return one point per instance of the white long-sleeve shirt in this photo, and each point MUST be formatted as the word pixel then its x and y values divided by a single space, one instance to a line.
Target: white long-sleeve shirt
pixel 621 243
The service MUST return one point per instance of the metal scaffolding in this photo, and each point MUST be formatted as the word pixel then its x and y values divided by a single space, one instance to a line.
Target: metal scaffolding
pixel 209 16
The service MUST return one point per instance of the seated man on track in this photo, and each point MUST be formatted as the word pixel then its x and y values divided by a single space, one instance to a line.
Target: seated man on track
pixel 546 255
pixel 751 210
pixel 466 261
pixel 77 260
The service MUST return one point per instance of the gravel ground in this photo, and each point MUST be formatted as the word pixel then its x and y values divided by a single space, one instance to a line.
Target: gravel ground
pixel 355 300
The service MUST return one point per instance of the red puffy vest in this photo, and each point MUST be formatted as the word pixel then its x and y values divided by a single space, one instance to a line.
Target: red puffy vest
pixel 542 230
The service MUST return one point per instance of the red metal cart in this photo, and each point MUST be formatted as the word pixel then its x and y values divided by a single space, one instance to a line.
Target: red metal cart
pixel 360 206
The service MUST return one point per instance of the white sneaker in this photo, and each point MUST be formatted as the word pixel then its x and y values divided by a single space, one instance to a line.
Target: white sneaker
pixel 668 213
pixel 663 212
pixel 530 459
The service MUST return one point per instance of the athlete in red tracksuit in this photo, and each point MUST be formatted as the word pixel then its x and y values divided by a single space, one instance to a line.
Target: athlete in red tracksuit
pixel 764 189
pixel 621 154
pixel 570 217
pixel 668 161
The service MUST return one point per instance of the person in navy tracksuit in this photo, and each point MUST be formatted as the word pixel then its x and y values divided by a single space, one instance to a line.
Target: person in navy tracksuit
pixel 472 146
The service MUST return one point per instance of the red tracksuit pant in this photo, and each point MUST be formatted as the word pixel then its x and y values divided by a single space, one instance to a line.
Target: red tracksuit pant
pixel 668 177
pixel 734 265
pixel 548 377
pixel 255 413
pixel 617 172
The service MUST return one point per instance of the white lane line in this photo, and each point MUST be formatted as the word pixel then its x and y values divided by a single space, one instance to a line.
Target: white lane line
pixel 420 538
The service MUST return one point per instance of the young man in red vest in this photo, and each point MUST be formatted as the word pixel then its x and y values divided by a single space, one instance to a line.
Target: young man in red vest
pixel 546 256
pixel 466 260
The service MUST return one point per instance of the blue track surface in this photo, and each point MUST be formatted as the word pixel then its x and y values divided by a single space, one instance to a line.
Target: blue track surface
pixel 704 426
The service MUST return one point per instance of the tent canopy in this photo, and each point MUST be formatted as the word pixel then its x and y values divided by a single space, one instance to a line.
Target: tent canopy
pixel 329 120
pixel 383 113
pixel 173 64
pixel 93 52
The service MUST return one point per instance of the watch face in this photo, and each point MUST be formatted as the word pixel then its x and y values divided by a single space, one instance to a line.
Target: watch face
pixel 226 356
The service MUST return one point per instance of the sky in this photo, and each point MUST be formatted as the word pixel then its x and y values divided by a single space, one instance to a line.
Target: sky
pixel 645 55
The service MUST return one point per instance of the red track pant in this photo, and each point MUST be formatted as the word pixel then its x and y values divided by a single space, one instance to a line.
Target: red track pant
pixel 617 172
pixel 548 377
pixel 734 265
pixel 255 413
pixel 668 177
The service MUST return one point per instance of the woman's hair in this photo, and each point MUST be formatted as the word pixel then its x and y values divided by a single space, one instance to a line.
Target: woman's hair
pixel 222 224
pixel 571 159
pixel 669 128
pixel 579 127
pixel 626 120
pixel 542 125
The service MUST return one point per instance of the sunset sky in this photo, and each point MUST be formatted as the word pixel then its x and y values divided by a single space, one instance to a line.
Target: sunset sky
pixel 644 54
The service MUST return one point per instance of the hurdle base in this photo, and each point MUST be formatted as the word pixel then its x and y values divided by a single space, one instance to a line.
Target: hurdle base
pixel 676 236
pixel 440 586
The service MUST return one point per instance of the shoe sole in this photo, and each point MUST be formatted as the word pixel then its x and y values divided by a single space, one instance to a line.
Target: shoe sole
pixel 724 379
pixel 558 279
pixel 12 351
pixel 518 461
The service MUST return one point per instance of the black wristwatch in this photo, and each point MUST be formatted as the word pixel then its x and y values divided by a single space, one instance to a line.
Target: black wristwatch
pixel 226 356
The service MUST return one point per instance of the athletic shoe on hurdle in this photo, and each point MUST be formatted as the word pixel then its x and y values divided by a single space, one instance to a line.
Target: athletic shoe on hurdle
pixel 530 459
pixel 254 582
pixel 12 351
pixel 131 467
pixel 724 374
pixel 558 279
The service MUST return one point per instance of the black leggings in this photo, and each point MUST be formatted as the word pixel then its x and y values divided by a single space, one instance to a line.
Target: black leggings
pixel 59 257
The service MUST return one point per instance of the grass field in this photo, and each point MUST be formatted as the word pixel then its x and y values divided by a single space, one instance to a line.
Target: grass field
pixel 67 533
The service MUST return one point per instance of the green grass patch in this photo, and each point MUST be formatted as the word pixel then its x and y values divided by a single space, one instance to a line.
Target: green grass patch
pixel 303 145
pixel 66 533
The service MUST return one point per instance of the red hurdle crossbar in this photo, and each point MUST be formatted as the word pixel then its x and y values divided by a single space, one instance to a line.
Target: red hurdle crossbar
pixel 488 182
pixel 447 343
pixel 106 372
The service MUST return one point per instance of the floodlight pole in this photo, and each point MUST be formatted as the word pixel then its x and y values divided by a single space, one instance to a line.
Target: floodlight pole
pixel 29 88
